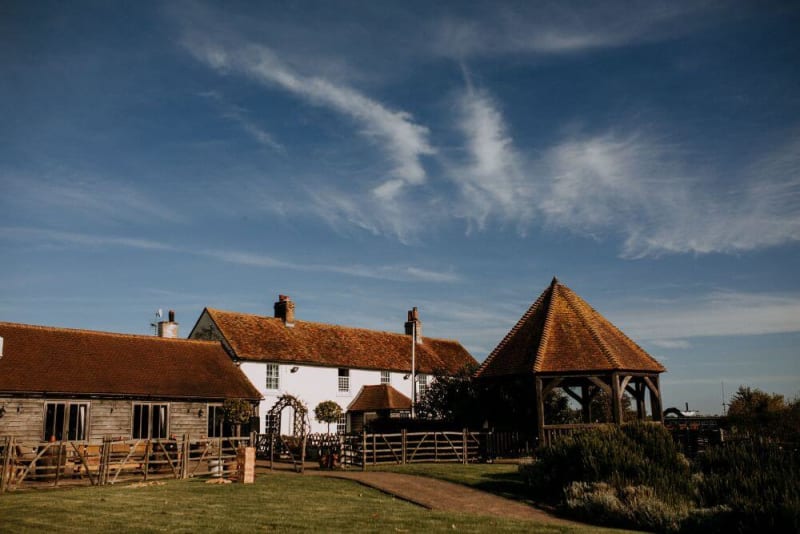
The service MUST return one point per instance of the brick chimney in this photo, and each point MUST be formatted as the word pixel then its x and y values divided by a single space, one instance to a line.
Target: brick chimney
pixel 168 328
pixel 284 310
pixel 414 325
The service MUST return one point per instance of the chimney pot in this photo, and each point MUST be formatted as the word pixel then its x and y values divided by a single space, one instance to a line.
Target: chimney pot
pixel 414 325
pixel 284 310
pixel 168 328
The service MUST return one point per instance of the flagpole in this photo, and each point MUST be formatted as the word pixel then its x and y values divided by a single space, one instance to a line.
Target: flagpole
pixel 413 367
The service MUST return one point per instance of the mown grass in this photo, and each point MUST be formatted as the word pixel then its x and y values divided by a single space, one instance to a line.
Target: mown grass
pixel 275 503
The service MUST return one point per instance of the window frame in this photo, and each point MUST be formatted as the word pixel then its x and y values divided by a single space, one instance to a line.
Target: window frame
pixel 148 431
pixel 344 380
pixel 273 376
pixel 422 385
pixel 386 377
pixel 66 424
pixel 341 424
pixel 215 412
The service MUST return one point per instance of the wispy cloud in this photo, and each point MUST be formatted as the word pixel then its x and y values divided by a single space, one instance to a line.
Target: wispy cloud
pixel 403 139
pixel 491 180
pixel 722 313
pixel 401 273
pixel 632 186
pixel 86 194
pixel 556 28
pixel 241 117
pixel 641 189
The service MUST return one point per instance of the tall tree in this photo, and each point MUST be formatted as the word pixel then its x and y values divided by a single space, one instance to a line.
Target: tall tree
pixel 453 398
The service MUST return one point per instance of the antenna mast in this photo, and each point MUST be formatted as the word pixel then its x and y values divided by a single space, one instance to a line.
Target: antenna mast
pixel 154 324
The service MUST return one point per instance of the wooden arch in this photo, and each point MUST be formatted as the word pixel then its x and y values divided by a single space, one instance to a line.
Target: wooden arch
pixel 300 429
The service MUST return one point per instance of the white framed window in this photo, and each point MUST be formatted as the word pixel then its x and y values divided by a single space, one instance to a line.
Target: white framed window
pixel 386 377
pixel 150 421
pixel 422 385
pixel 273 379
pixel 66 420
pixel 341 424
pixel 344 380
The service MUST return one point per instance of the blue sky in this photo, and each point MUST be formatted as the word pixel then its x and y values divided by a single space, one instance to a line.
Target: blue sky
pixel 367 157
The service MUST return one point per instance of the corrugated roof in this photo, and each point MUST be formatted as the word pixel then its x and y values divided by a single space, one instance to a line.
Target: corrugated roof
pixel 254 337
pixel 561 333
pixel 39 359
pixel 380 397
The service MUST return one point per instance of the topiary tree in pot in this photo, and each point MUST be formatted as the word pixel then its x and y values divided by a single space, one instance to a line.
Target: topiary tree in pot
pixel 328 412
pixel 237 413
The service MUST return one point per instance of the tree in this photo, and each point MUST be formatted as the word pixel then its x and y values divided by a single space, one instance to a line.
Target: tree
pixel 753 412
pixel 453 398
pixel 328 412
pixel 748 401
pixel 556 408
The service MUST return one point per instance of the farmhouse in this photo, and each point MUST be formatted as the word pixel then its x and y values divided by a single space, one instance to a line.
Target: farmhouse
pixel 85 385
pixel 562 342
pixel 316 362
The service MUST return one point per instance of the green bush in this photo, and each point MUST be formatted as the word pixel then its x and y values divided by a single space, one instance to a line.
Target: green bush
pixel 757 482
pixel 639 454
pixel 629 507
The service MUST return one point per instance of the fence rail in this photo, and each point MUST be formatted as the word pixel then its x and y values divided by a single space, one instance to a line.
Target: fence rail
pixel 109 461
pixel 411 447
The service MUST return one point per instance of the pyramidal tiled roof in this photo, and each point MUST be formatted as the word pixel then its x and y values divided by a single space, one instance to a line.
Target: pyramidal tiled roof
pixel 380 397
pixel 50 360
pixel 561 333
pixel 259 338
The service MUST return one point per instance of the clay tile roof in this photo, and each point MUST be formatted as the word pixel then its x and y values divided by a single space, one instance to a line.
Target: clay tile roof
pixel 380 397
pixel 254 337
pixel 561 333
pixel 38 359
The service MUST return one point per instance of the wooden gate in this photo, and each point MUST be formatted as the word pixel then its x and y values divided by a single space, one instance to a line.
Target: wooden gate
pixel 110 461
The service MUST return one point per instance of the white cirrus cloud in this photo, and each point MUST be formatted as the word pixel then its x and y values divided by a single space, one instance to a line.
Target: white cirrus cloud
pixel 399 272
pixel 720 313
pixel 491 179
pixel 404 140
pixel 560 28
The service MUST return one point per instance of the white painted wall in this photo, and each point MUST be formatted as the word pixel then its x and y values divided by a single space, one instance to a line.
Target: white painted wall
pixel 312 385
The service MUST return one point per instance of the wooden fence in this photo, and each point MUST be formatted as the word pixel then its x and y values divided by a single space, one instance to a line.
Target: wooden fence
pixel 98 463
pixel 410 447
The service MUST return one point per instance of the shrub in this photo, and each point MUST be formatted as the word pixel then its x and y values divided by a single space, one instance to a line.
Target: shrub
pixel 635 455
pixel 757 483
pixel 632 506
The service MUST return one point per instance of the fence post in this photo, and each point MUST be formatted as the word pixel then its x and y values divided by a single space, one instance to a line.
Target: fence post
pixel 364 450
pixel 403 445
pixel 186 451
pixel 61 450
pixel 5 464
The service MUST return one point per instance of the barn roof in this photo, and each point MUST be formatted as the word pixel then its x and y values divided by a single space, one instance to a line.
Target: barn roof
pixel 259 338
pixel 380 397
pixel 47 360
pixel 561 333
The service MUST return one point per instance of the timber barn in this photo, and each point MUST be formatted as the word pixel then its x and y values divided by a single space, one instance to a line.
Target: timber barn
pixel 86 385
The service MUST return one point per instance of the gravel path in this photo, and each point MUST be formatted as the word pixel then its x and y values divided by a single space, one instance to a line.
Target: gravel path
pixel 437 494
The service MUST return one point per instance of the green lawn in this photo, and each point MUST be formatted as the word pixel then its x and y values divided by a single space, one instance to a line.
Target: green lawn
pixel 276 503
